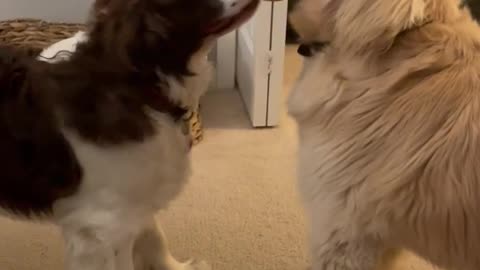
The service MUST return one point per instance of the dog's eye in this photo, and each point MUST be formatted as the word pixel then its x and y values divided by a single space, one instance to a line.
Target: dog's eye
pixel 309 49
pixel 304 50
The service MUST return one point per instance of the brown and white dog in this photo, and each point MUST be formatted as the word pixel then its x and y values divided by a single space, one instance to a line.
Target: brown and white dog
pixel 95 143
pixel 389 127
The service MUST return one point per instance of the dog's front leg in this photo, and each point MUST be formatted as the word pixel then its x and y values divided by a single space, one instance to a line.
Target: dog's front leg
pixel 151 252
pixel 124 254
pixel 87 251
pixel 94 248
pixel 338 241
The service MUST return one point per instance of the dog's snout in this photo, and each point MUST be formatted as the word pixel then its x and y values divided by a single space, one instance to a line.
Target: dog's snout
pixel 234 6
pixel 292 4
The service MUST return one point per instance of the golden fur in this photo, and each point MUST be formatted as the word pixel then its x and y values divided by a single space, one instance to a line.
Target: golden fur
pixel 389 126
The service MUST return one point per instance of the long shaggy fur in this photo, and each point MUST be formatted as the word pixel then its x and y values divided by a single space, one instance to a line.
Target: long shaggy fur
pixel 389 124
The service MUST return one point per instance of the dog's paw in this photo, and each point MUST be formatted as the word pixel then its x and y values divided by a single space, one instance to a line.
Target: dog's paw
pixel 188 265
pixel 194 265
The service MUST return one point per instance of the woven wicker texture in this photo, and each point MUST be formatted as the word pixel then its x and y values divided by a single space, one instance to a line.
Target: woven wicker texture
pixel 35 35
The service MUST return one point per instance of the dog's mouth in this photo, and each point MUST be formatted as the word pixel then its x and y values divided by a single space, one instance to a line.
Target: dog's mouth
pixel 227 24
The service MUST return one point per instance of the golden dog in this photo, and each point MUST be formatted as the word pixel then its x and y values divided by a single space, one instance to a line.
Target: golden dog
pixel 389 126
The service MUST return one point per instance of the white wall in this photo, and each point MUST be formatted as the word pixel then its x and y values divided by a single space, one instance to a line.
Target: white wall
pixel 52 10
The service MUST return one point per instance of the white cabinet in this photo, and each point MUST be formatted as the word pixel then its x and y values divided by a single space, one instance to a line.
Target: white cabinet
pixel 259 65
pixel 252 61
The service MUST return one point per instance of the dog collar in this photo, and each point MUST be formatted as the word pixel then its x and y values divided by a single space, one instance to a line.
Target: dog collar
pixel 185 128
pixel 158 101
pixel 309 49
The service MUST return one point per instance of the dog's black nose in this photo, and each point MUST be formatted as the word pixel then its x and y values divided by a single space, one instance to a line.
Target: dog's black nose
pixel 309 49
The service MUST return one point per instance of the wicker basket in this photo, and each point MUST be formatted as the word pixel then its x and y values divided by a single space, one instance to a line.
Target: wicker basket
pixel 35 35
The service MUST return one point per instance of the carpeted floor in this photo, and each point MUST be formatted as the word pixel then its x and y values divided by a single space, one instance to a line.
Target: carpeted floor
pixel 240 211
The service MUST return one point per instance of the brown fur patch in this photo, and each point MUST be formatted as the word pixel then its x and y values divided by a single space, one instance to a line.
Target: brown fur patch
pixel 100 93
pixel 37 165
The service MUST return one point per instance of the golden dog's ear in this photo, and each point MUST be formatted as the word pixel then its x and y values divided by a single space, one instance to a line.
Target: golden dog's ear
pixel 362 25
pixel 374 24
pixel 313 20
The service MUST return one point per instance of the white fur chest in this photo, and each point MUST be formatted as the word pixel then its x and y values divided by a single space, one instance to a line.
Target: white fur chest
pixel 315 93
pixel 315 87
pixel 321 104
pixel 141 177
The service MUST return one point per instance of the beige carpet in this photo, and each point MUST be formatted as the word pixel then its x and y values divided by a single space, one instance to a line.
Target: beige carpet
pixel 240 211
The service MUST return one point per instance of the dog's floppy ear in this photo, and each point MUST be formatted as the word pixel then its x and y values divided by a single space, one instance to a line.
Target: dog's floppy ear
pixel 13 72
pixel 355 23
pixel 373 24
pixel 37 164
